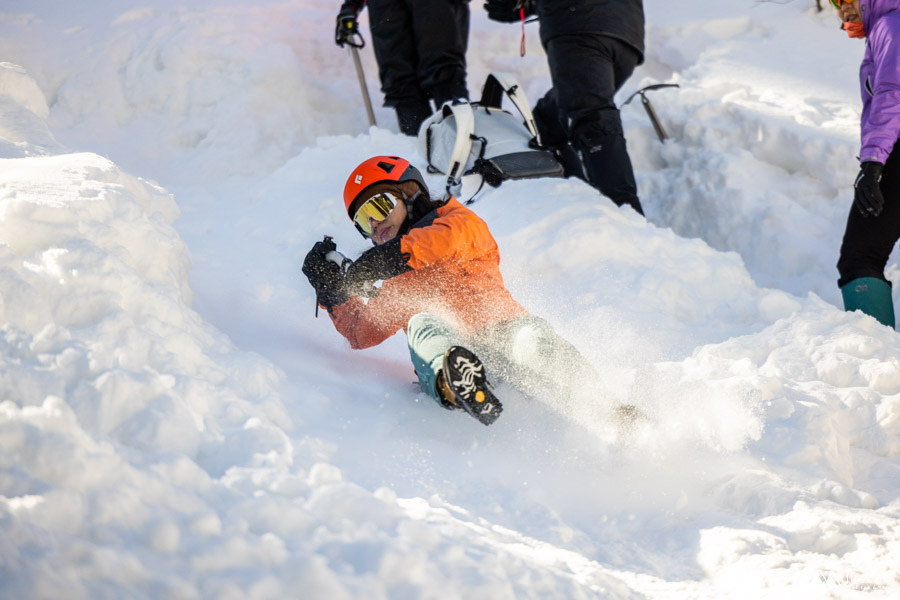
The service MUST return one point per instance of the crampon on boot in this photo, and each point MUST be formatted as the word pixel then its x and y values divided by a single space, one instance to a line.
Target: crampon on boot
pixel 462 383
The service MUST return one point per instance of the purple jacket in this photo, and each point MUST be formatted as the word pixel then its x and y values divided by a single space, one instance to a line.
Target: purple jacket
pixel 879 79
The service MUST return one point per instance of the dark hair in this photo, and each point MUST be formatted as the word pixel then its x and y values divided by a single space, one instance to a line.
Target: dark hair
pixel 422 204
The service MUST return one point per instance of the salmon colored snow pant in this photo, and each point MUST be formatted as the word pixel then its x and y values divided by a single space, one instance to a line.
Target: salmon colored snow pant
pixel 526 352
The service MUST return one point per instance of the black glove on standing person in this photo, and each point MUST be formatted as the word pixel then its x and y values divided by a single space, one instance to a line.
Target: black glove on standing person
pixel 347 25
pixel 508 11
pixel 868 198
pixel 324 275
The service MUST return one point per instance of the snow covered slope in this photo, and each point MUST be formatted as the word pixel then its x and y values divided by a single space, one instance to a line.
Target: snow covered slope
pixel 174 422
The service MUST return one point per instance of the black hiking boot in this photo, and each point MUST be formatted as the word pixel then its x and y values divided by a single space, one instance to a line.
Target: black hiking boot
pixel 462 383
pixel 601 143
pixel 410 116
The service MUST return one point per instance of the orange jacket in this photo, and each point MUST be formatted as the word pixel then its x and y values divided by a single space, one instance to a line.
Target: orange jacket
pixel 455 274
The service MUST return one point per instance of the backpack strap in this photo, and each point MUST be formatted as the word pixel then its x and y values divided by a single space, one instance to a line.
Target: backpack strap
pixel 498 84
pixel 465 127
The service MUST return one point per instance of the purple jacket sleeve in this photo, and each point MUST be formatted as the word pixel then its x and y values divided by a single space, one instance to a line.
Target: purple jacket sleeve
pixel 880 85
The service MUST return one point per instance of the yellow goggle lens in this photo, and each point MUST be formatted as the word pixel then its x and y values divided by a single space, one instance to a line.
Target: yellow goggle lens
pixel 376 208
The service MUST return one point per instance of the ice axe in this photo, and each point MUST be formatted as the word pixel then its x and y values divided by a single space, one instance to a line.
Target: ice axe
pixel 367 288
pixel 354 50
pixel 657 126
pixel 336 257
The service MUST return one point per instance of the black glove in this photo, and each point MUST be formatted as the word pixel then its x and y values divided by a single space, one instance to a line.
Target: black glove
pixel 868 198
pixel 347 26
pixel 381 262
pixel 324 275
pixel 508 11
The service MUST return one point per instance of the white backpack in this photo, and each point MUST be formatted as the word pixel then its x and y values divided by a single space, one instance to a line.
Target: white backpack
pixel 480 137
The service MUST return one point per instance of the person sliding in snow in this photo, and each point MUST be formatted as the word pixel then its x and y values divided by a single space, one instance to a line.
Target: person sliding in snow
pixel 592 49
pixel 873 225
pixel 420 48
pixel 440 268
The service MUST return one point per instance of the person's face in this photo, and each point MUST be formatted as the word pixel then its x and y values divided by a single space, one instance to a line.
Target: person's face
pixel 386 230
pixel 850 11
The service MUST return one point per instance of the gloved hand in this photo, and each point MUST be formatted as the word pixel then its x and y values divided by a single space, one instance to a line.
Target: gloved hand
pixel 381 262
pixel 324 275
pixel 868 198
pixel 347 25
pixel 508 11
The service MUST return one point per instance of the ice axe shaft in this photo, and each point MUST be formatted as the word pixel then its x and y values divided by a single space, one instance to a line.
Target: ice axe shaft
pixel 657 126
pixel 362 84
pixel 654 120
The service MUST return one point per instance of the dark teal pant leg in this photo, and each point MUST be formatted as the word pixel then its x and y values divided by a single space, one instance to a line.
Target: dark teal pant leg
pixel 429 337
pixel 872 296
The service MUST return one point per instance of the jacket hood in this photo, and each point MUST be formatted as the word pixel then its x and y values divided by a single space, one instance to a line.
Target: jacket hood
pixel 872 10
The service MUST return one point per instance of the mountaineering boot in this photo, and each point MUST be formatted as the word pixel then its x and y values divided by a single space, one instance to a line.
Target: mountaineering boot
pixel 410 116
pixel 449 92
pixel 553 136
pixel 601 143
pixel 462 383
pixel 872 296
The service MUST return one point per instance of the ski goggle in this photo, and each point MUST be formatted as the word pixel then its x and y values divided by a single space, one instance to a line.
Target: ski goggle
pixel 376 208
pixel 837 3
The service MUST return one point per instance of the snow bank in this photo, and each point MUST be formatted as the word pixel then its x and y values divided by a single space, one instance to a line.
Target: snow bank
pixel 23 113
pixel 230 81
pixel 144 452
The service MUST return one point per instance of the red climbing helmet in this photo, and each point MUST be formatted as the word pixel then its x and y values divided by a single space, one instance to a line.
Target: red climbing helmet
pixel 377 170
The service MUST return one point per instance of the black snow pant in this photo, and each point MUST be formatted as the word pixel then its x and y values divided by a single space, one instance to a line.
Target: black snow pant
pixel 420 47
pixel 578 118
pixel 868 241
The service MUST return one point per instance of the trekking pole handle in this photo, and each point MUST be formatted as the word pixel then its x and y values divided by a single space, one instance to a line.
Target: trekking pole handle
pixel 355 40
